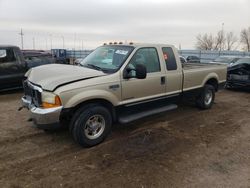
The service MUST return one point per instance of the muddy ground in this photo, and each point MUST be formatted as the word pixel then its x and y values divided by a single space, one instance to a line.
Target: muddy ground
pixel 183 148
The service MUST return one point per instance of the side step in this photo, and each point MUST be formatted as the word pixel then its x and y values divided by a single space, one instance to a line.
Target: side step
pixel 126 119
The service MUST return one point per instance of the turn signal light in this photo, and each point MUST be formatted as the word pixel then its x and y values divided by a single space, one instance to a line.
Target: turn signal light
pixel 51 105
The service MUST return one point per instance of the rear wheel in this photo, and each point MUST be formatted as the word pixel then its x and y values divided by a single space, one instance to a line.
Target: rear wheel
pixel 90 125
pixel 206 98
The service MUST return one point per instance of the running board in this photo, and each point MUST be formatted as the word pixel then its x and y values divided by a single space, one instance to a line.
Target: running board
pixel 133 117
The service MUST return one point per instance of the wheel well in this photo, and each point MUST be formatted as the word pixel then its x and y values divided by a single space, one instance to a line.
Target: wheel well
pixel 102 102
pixel 213 82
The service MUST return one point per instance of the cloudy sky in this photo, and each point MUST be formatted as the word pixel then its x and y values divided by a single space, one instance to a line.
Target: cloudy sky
pixel 87 24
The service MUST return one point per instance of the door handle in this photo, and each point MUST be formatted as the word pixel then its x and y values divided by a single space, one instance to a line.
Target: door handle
pixel 163 80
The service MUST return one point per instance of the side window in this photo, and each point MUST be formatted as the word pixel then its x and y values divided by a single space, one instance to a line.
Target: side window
pixel 169 58
pixel 3 55
pixel 147 57
pixel 7 55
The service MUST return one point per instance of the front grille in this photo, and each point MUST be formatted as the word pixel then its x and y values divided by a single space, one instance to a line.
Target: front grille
pixel 31 93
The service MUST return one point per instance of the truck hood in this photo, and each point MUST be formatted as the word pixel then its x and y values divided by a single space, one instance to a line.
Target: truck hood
pixel 49 77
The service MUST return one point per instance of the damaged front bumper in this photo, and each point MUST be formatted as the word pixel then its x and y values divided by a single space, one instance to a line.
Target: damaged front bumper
pixel 43 118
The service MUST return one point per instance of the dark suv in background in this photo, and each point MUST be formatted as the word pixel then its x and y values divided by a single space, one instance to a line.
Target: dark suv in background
pixel 193 59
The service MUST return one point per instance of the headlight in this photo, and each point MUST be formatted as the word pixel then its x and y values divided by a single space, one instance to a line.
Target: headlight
pixel 50 100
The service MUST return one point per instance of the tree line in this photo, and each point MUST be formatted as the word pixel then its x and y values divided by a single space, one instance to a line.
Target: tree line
pixel 223 40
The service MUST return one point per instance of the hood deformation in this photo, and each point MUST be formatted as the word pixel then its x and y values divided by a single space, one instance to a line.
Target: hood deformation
pixel 52 76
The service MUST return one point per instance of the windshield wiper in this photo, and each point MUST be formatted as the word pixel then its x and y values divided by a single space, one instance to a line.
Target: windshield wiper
pixel 93 67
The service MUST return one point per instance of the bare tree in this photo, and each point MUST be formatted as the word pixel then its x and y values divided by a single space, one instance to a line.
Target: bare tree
pixel 219 41
pixel 205 42
pixel 231 39
pixel 245 38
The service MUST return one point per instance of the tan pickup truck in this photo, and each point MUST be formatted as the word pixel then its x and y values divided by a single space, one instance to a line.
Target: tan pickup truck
pixel 116 83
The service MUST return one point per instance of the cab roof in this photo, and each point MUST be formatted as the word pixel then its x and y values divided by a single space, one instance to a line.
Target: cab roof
pixel 140 45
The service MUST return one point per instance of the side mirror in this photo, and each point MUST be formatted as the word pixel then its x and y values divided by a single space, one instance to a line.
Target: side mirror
pixel 140 72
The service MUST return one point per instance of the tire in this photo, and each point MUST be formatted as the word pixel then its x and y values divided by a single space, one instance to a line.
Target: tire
pixel 206 98
pixel 90 125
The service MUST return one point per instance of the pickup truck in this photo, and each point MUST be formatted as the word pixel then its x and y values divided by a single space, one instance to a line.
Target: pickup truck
pixel 14 63
pixel 12 67
pixel 116 83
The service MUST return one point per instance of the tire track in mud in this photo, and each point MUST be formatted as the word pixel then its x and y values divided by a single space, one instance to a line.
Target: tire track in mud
pixel 160 141
pixel 11 142
pixel 68 149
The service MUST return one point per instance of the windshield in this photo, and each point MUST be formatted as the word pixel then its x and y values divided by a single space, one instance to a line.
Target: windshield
pixel 107 58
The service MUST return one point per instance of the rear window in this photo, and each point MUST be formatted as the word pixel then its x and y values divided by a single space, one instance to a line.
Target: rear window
pixel 169 58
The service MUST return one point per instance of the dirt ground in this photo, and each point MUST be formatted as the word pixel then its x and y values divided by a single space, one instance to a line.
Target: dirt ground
pixel 183 148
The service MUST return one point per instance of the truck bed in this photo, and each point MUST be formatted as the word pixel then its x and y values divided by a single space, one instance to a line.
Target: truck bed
pixel 188 66
pixel 195 74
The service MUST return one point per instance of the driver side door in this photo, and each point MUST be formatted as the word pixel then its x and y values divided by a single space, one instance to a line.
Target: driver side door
pixel 152 86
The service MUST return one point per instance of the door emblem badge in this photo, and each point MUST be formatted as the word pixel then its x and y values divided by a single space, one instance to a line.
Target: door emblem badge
pixel 114 87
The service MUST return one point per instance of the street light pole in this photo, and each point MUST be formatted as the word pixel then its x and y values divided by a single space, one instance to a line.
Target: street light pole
pixel 50 41
pixel 222 36
pixel 33 43
pixel 63 41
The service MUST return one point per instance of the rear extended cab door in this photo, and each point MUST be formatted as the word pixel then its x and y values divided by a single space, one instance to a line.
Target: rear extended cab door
pixel 153 86
pixel 12 68
pixel 174 73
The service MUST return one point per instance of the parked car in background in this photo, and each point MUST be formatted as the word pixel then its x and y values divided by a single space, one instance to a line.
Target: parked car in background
pixel 193 59
pixel 229 60
pixel 14 64
pixel 36 58
pixel 238 74
pixel 183 59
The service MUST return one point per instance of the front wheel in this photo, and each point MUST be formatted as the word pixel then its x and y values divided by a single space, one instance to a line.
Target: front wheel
pixel 91 124
pixel 206 98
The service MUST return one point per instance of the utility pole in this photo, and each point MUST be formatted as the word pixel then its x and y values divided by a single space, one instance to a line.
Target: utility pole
pixel 21 34
pixel 33 43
